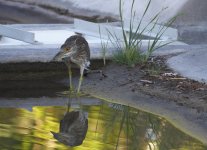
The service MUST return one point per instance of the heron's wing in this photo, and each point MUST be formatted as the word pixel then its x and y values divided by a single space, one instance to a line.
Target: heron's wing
pixel 83 47
pixel 80 126
pixel 81 58
pixel 85 129
pixel 80 133
pixel 87 51
pixel 73 128
pixel 68 120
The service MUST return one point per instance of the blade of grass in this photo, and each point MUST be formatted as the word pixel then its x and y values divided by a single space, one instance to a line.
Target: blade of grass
pixel 122 23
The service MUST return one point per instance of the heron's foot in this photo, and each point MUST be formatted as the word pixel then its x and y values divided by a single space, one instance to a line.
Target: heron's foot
pixel 102 75
pixel 71 94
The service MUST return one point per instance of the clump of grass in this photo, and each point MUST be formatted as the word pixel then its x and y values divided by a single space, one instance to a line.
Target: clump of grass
pixel 129 52
pixel 129 57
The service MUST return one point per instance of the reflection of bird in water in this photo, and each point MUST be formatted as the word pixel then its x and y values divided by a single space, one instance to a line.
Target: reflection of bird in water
pixel 74 125
pixel 76 50
pixel 73 128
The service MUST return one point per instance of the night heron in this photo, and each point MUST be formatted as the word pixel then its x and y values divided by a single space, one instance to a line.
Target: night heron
pixel 75 50
pixel 73 128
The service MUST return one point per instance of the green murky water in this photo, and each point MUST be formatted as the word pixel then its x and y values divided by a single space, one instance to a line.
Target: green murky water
pixel 110 126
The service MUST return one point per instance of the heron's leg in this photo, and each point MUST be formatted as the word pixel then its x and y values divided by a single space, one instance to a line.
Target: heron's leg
pixel 81 79
pixel 70 77
pixel 70 87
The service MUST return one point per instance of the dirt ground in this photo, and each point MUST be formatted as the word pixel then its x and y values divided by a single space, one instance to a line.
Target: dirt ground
pixel 157 80
pixel 168 85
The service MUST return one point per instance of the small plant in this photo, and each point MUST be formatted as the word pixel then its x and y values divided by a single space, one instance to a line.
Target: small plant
pixel 154 70
pixel 129 52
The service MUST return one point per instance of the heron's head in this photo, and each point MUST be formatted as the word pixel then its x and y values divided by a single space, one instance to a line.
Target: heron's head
pixel 69 48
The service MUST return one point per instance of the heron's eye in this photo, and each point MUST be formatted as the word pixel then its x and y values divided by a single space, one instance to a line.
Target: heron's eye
pixel 67 49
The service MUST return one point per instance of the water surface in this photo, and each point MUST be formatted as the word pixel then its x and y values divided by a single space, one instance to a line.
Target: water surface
pixel 110 126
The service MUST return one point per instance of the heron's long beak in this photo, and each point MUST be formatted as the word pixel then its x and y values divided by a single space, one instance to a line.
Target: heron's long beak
pixel 62 55
pixel 58 56
pixel 53 133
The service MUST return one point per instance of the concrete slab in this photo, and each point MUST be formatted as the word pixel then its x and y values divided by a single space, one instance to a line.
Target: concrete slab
pixel 41 53
pixel 17 34
pixel 192 64
pixel 45 53
pixel 152 29
pixel 189 62
pixel 15 12
pixel 49 38
pixel 193 34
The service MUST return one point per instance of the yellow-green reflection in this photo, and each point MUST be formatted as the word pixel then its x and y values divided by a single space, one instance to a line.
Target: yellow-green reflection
pixel 111 126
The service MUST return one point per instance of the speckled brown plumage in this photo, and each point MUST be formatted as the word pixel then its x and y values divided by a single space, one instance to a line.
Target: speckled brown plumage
pixel 73 128
pixel 76 50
